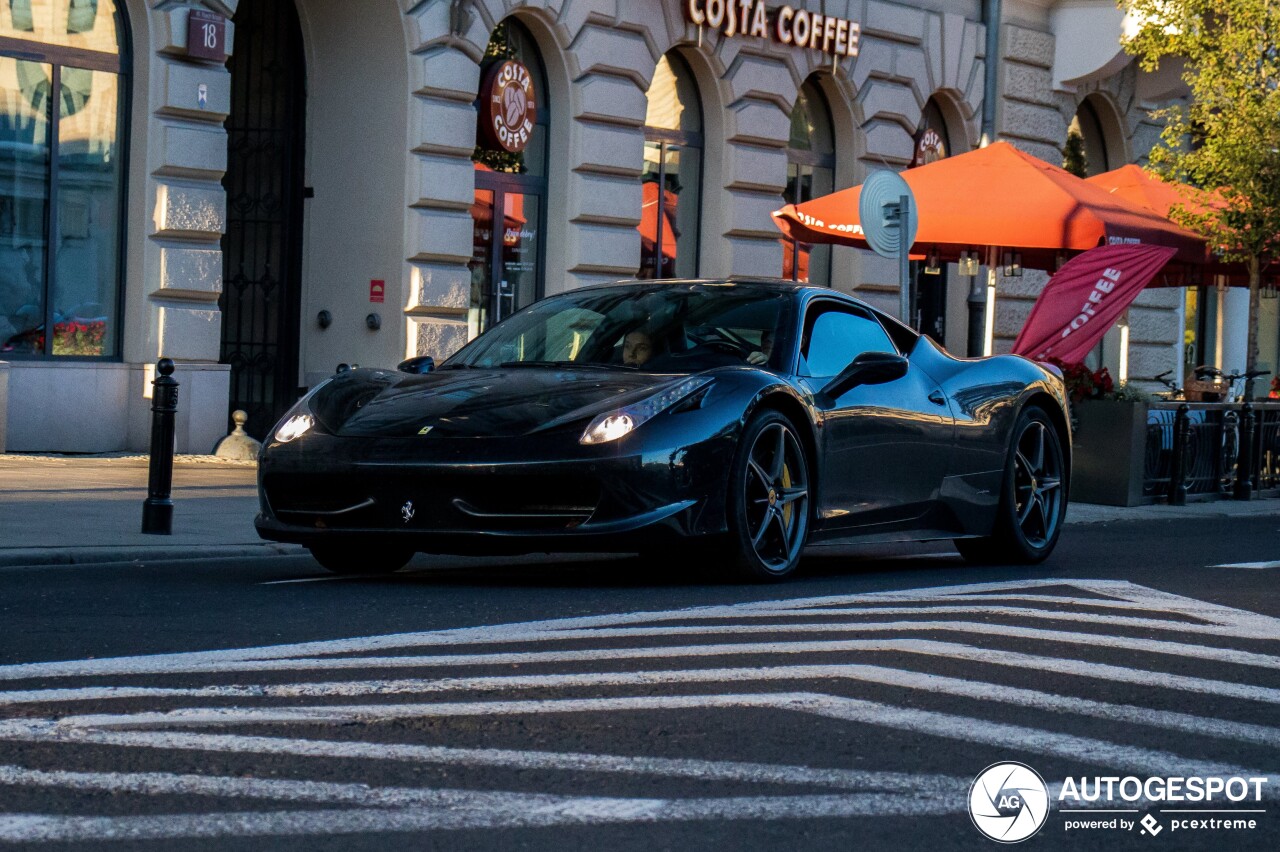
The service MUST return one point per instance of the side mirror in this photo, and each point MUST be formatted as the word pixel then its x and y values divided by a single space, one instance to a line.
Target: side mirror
pixel 869 368
pixel 417 366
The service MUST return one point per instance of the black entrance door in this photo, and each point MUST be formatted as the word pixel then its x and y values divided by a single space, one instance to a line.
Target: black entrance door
pixel 262 249
pixel 930 313
pixel 507 246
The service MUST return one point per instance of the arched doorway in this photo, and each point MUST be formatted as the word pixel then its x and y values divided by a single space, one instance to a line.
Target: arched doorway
pixel 262 248
pixel 508 236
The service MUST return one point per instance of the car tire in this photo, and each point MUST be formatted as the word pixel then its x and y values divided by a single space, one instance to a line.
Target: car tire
pixel 359 560
pixel 1033 497
pixel 768 500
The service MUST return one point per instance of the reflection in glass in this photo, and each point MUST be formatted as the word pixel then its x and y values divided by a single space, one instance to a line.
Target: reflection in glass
pixel 84 292
pixel 24 203
pixel 672 175
pixel 673 98
pixel 83 24
pixel 519 283
pixel 481 263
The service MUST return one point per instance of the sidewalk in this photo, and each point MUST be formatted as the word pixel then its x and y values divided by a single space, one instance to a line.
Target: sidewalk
pixel 70 510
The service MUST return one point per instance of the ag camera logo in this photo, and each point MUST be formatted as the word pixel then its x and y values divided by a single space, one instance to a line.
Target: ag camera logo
pixel 1008 802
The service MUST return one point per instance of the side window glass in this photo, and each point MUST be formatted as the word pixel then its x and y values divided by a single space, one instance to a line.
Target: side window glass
pixel 834 338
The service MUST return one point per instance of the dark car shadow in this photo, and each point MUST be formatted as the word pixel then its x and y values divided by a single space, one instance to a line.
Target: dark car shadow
pixel 622 571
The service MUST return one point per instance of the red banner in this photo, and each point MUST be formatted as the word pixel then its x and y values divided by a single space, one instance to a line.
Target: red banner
pixel 1085 297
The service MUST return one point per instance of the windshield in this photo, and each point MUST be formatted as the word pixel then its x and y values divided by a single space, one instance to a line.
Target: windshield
pixel 654 328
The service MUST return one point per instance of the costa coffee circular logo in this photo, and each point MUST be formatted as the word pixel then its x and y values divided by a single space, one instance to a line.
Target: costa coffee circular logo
pixel 510 110
pixel 929 147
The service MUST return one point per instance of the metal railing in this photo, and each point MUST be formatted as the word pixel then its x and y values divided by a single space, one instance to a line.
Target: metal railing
pixel 1211 449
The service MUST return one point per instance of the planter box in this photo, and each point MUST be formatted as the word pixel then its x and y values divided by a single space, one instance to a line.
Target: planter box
pixel 1108 459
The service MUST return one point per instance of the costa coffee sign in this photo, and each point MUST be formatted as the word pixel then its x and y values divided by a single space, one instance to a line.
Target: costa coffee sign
pixel 509 109
pixel 785 24
pixel 929 147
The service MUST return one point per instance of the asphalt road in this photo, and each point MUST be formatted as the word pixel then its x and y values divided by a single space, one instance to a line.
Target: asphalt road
pixel 562 704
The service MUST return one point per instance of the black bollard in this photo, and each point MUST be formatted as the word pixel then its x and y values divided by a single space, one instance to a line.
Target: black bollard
pixel 1178 464
pixel 157 510
pixel 1244 462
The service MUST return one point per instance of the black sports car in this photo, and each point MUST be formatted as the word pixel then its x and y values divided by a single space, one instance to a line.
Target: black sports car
pixel 752 416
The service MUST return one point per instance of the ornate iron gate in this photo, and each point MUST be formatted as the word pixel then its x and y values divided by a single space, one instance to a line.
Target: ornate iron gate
pixel 262 249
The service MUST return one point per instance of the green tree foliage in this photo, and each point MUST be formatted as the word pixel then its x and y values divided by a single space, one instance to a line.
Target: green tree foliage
pixel 1074 158
pixel 1226 139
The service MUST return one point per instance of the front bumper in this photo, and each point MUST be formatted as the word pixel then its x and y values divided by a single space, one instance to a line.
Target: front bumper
pixel 489 495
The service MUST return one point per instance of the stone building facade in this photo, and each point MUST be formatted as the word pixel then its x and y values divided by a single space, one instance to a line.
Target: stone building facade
pixel 316 197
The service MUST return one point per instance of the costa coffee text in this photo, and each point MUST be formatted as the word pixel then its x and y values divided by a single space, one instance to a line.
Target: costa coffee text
pixel 791 26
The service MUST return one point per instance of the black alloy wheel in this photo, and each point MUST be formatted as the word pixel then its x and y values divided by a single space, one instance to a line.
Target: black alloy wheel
pixel 1033 501
pixel 359 559
pixel 769 499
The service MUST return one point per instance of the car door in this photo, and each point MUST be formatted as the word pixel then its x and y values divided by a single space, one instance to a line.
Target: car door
pixel 886 447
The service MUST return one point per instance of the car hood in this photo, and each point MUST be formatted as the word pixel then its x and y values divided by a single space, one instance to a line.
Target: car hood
pixel 475 403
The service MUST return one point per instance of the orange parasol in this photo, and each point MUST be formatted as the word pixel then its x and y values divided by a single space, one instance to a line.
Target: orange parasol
pixel 998 197
pixel 1139 186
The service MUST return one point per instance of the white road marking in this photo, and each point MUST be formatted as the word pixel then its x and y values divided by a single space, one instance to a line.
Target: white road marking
pixel 328 578
pixel 1104 606
pixel 946 725
pixel 30 828
pixel 1229 622
pixel 1185 723
pixel 701 770
pixel 1251 565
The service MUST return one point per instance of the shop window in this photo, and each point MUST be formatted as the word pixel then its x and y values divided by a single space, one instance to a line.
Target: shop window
pixel 672 177
pixel 62 90
pixel 811 169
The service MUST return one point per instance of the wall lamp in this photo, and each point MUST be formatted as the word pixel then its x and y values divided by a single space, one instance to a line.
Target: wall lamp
pixel 1012 264
pixel 931 266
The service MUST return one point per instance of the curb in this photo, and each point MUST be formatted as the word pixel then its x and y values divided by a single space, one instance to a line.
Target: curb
pixel 43 557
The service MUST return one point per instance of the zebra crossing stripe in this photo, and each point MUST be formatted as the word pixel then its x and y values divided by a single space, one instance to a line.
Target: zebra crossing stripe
pixel 1228 622
pixel 928 722
pixel 1016 696
pixel 513 812
pixel 686 768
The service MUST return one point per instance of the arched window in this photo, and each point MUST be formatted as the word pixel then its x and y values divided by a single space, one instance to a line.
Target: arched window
pixel 811 169
pixel 63 70
pixel 1087 125
pixel 672 179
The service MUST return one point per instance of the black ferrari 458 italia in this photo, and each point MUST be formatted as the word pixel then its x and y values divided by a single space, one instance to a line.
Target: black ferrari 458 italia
pixel 740 419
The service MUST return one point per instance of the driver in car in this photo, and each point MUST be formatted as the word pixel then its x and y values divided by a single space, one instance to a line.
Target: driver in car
pixel 637 348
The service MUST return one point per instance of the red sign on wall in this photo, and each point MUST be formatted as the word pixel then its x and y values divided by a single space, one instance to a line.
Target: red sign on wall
pixel 206 35
pixel 377 291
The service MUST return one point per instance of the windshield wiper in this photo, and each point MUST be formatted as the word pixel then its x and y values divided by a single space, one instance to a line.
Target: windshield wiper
pixel 580 365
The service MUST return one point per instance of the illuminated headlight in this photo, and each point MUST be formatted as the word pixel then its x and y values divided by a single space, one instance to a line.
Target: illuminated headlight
pixel 613 425
pixel 295 427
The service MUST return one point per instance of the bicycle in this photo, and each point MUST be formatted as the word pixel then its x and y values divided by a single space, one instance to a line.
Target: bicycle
pixel 1174 392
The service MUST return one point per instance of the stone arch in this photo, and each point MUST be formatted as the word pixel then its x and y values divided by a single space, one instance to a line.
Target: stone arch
pixel 956 115
pixel 1106 139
